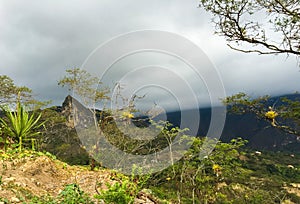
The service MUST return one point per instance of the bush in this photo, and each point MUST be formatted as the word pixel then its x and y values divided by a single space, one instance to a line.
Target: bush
pixel 118 193
pixel 125 189
pixel 72 194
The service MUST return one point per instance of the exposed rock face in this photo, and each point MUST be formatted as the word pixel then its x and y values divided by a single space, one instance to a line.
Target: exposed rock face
pixel 76 114
pixel 67 111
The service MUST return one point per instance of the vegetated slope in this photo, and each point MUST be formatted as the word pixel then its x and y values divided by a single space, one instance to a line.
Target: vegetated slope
pixel 30 176
pixel 256 177
pixel 60 137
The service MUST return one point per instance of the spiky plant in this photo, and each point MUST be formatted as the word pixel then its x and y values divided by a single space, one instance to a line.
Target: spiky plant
pixel 20 124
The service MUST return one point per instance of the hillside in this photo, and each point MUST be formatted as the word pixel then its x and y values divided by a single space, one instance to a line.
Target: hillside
pixel 34 177
pixel 231 173
pixel 61 138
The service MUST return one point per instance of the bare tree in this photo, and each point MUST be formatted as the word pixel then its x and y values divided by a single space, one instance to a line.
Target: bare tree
pixel 264 26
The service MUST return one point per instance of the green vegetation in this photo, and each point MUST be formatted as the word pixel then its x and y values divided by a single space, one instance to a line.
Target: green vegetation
pixel 73 194
pixel 230 174
pixel 84 85
pixel 209 172
pixel 20 126
pixel 11 94
pixel 284 114
pixel 125 190
pixel 87 87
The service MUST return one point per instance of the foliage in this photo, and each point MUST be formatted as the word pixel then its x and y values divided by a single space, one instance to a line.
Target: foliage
pixel 290 109
pixel 117 193
pixel 229 174
pixel 284 114
pixel 201 176
pixel 134 140
pixel 59 139
pixel 9 91
pixel 125 189
pixel 21 125
pixel 219 177
pixel 266 26
pixel 242 103
pixel 10 94
pixel 13 153
pixel 200 170
pixel 73 194
pixel 85 85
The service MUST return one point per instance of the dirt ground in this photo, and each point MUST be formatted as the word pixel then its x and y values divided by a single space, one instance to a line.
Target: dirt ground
pixel 44 176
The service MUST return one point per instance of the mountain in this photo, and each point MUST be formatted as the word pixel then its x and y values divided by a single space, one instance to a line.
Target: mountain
pixel 260 134
pixel 61 139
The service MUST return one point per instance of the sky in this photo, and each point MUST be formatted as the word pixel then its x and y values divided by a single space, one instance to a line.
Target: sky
pixel 39 40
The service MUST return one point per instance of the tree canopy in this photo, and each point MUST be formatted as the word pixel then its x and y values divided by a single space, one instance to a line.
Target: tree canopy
pixel 10 94
pixel 284 114
pixel 85 85
pixel 261 26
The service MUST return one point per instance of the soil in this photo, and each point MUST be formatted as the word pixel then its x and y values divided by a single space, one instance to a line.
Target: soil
pixel 42 175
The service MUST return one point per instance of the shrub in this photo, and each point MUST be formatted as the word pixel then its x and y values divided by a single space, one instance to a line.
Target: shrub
pixel 73 194
pixel 20 125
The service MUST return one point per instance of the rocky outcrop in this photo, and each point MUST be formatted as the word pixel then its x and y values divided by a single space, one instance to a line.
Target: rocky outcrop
pixel 77 115
pixel 60 137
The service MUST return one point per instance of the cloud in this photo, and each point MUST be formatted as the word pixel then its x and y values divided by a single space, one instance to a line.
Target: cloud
pixel 39 40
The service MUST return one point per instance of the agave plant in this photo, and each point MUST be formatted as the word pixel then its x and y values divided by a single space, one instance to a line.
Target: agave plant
pixel 20 125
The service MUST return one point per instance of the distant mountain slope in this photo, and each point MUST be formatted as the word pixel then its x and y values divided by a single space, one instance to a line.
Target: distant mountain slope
pixel 259 133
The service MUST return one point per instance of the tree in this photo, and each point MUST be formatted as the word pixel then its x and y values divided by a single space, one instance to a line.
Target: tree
pixel 86 86
pixel 284 114
pixel 9 91
pixel 266 26
pixel 10 94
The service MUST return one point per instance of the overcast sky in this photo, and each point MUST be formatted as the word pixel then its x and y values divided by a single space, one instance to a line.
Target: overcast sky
pixel 39 40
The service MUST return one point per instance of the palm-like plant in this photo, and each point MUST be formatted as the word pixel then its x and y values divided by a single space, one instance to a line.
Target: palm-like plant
pixel 20 124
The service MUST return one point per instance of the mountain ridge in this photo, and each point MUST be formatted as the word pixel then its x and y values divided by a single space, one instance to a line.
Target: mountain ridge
pixel 260 134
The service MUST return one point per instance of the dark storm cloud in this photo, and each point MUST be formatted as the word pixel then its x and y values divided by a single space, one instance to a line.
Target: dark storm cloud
pixel 40 39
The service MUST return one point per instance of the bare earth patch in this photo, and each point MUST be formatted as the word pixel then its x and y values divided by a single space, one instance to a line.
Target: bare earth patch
pixel 42 176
